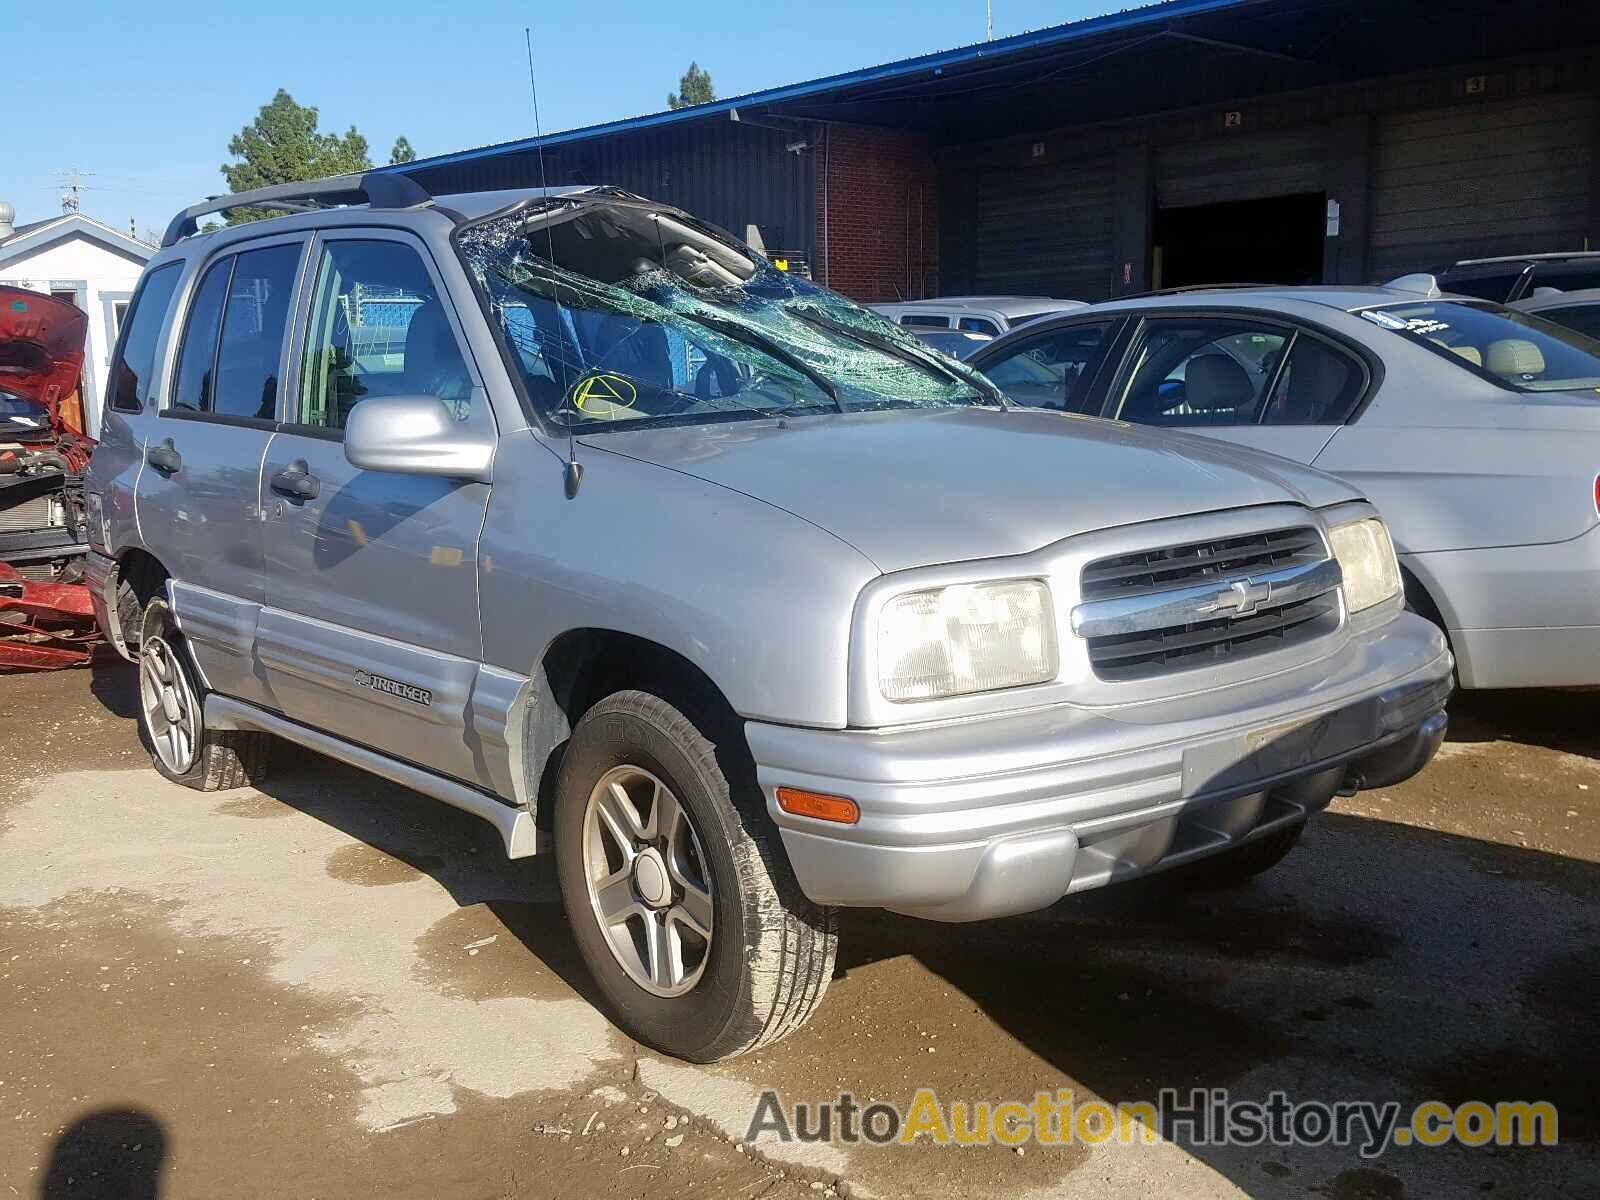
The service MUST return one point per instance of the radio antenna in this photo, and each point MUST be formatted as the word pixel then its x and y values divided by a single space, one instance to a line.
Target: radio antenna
pixel 573 472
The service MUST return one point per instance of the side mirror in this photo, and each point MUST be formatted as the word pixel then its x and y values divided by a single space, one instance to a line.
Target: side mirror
pixel 415 435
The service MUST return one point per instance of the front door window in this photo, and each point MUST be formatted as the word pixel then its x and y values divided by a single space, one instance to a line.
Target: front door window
pixel 1053 370
pixel 379 327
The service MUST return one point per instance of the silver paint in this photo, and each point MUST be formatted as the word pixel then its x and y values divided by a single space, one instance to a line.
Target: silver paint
pixel 759 552
pixel 1489 494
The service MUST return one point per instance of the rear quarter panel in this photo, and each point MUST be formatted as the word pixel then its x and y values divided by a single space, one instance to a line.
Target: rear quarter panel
pixel 114 479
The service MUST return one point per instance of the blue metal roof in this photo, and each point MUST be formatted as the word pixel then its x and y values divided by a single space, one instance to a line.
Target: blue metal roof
pixel 926 64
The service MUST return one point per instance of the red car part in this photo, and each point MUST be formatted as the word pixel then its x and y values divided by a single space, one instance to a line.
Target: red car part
pixel 44 626
pixel 41 359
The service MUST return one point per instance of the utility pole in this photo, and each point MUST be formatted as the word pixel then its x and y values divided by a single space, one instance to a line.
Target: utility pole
pixel 988 26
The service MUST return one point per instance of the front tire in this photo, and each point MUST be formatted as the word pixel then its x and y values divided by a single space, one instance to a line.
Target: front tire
pixel 172 716
pixel 680 899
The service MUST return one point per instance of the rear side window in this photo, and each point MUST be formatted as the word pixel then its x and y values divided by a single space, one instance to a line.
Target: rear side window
pixel 978 325
pixel 1571 276
pixel 1490 281
pixel 252 332
pixel 1317 386
pixel 925 322
pixel 197 358
pixel 1585 318
pixel 228 366
pixel 141 329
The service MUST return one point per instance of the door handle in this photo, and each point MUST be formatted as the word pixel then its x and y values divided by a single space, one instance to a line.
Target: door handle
pixel 164 458
pixel 296 482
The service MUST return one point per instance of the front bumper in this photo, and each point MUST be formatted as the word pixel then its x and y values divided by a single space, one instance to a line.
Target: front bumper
pixel 986 818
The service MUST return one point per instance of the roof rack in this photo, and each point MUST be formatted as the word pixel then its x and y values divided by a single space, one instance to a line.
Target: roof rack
pixel 1526 258
pixel 378 189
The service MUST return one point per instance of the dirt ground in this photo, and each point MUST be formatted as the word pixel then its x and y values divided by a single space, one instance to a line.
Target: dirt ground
pixel 333 987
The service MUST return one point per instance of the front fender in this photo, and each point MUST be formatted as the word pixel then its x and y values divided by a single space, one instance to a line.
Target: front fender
pixel 757 598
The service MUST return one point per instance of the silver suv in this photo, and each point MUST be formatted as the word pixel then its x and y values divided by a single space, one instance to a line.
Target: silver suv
pixel 567 509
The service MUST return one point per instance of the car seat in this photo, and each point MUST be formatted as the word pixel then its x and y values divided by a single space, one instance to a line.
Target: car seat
pixel 1316 382
pixel 434 366
pixel 1218 387
pixel 1514 356
pixel 635 348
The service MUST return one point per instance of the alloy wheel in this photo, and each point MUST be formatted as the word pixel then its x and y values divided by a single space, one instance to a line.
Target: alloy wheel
pixel 647 880
pixel 171 711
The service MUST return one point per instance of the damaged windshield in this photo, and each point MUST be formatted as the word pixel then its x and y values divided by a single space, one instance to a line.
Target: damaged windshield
pixel 617 313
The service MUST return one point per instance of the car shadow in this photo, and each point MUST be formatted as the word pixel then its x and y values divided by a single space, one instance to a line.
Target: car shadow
pixel 1567 721
pixel 115 683
pixel 1344 966
pixel 1379 961
pixel 461 853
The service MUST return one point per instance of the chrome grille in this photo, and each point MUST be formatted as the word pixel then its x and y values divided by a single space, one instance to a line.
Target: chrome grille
pixel 1197 604
pixel 1200 562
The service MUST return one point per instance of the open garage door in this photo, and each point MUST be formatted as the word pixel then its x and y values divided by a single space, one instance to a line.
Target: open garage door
pixel 1047 231
pixel 1477 180
pixel 1244 209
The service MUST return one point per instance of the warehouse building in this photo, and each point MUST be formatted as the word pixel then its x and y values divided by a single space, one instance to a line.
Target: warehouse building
pixel 1194 141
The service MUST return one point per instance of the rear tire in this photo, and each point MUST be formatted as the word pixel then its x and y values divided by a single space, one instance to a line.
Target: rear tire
pixel 1234 867
pixel 172 716
pixel 638 770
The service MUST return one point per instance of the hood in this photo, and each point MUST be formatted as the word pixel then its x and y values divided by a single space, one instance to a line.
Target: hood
pixel 910 489
pixel 41 348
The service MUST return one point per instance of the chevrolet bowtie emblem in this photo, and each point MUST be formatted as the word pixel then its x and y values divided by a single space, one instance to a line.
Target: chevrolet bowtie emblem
pixel 1243 597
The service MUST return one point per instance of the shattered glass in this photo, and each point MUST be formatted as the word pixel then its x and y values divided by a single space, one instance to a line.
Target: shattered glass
pixel 619 311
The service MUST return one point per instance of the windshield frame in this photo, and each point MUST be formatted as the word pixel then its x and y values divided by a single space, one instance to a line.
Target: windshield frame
pixel 959 374
pixel 1561 333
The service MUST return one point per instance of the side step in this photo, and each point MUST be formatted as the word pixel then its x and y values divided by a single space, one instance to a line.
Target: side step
pixel 516 824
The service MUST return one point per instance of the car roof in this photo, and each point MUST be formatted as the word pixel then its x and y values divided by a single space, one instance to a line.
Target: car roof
pixel 1344 297
pixel 1551 298
pixel 472 205
pixel 297 205
pixel 1007 306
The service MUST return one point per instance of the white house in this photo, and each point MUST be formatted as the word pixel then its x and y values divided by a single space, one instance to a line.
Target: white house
pixel 77 258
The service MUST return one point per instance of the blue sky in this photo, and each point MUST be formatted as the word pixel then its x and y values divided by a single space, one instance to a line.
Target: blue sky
pixel 143 98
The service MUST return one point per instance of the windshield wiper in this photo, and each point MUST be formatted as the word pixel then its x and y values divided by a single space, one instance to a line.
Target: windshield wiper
pixel 820 320
pixel 742 333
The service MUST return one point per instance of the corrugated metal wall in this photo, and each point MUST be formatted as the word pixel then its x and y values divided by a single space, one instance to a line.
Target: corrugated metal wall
pixel 1047 231
pixel 1480 179
pixel 731 174
pixel 1248 166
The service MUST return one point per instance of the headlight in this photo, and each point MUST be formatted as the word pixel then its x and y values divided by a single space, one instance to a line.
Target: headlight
pixel 1366 558
pixel 970 637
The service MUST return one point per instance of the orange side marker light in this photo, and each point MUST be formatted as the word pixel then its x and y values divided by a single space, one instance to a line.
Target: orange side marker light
pixel 820 805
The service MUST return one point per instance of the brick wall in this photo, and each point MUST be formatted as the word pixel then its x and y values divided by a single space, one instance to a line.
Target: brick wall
pixel 877 214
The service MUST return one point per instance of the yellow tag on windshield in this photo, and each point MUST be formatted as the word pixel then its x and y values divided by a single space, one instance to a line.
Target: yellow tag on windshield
pixel 604 395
